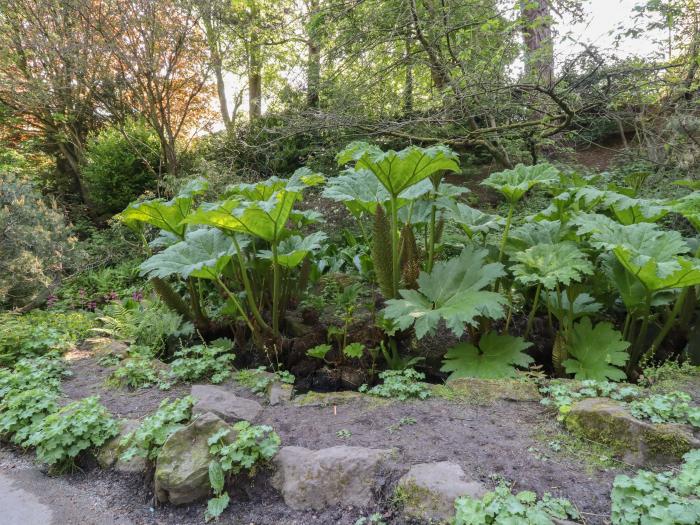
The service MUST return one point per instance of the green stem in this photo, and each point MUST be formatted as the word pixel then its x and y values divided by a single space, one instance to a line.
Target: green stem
pixel 531 317
pixel 637 348
pixel 506 230
pixel 431 239
pixel 248 288
pixel 275 291
pixel 626 328
pixel 666 328
pixel 235 302
pixel 394 249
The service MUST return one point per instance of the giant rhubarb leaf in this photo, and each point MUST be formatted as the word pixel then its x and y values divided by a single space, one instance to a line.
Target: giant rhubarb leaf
pixel 496 357
pixel 453 291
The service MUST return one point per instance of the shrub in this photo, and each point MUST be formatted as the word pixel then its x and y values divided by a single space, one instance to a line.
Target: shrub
pixel 120 165
pixel 36 242
pixel 400 384
pixel 62 436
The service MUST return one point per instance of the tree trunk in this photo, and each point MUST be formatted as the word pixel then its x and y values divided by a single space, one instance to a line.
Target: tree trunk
pixel 313 66
pixel 537 35
pixel 254 69
pixel 408 82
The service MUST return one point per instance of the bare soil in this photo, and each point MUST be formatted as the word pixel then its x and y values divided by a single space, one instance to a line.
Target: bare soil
pixel 490 439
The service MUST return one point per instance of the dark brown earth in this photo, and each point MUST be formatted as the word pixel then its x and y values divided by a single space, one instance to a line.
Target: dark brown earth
pixel 490 438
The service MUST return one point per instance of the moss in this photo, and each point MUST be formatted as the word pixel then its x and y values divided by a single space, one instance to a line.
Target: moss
pixel 666 441
pixel 612 432
pixel 476 391
pixel 594 456
pixel 417 502
pixel 325 399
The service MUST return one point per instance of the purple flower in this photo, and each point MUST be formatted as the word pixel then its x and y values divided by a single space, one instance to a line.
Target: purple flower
pixel 51 300
pixel 91 306
pixel 112 296
pixel 137 296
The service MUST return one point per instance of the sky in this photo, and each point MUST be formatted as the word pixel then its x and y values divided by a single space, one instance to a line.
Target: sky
pixel 604 16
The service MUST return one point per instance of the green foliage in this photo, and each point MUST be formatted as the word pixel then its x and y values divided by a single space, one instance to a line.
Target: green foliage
pixel 502 506
pixel 120 164
pixel 513 184
pixel 20 410
pixel 148 324
pixel 319 351
pixel 564 394
pixel 36 242
pixel 206 361
pixel 136 370
pixel 596 352
pixel 497 357
pixel 453 291
pixel 39 333
pixel 674 407
pixel 381 251
pixel 662 498
pixel 551 264
pixel 252 446
pixel 400 384
pixel 27 374
pixel 147 440
pixel 398 171
pixel 258 379
pixel 61 436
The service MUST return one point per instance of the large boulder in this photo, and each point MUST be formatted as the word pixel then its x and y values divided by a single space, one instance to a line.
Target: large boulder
pixel 227 405
pixel 109 455
pixel 639 442
pixel 429 490
pixel 182 467
pixel 336 476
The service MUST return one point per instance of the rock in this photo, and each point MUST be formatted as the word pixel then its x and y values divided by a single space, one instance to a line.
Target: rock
pixel 324 399
pixel 336 476
pixel 182 467
pixel 639 442
pixel 428 491
pixel 109 454
pixel 279 393
pixel 485 391
pixel 227 405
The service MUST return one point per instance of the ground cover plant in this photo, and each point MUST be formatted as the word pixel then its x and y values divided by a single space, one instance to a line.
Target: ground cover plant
pixel 386 225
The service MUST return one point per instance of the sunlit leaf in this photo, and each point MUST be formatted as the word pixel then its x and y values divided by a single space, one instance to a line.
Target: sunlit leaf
pixel 496 357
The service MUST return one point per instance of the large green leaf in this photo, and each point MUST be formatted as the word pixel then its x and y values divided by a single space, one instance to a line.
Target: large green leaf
pixel 655 275
pixel 204 253
pixel 263 190
pixel 166 215
pixel 513 184
pixel 629 210
pixel 583 304
pixel 689 207
pixel 358 189
pixel 551 264
pixel 399 170
pixel 496 357
pixel 264 219
pixel 292 250
pixel 632 290
pixel 534 233
pixel 453 291
pixel 596 352
pixel 473 221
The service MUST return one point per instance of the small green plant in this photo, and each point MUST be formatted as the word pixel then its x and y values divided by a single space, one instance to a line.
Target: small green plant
pixel 674 407
pixel 404 421
pixel 23 409
pixel 253 445
pixel 41 372
pixel 502 506
pixel 343 433
pixel 372 519
pixel 259 379
pixel 60 437
pixel 211 361
pixel 135 371
pixel 667 497
pixel 400 384
pixel 147 440
pixel 562 395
